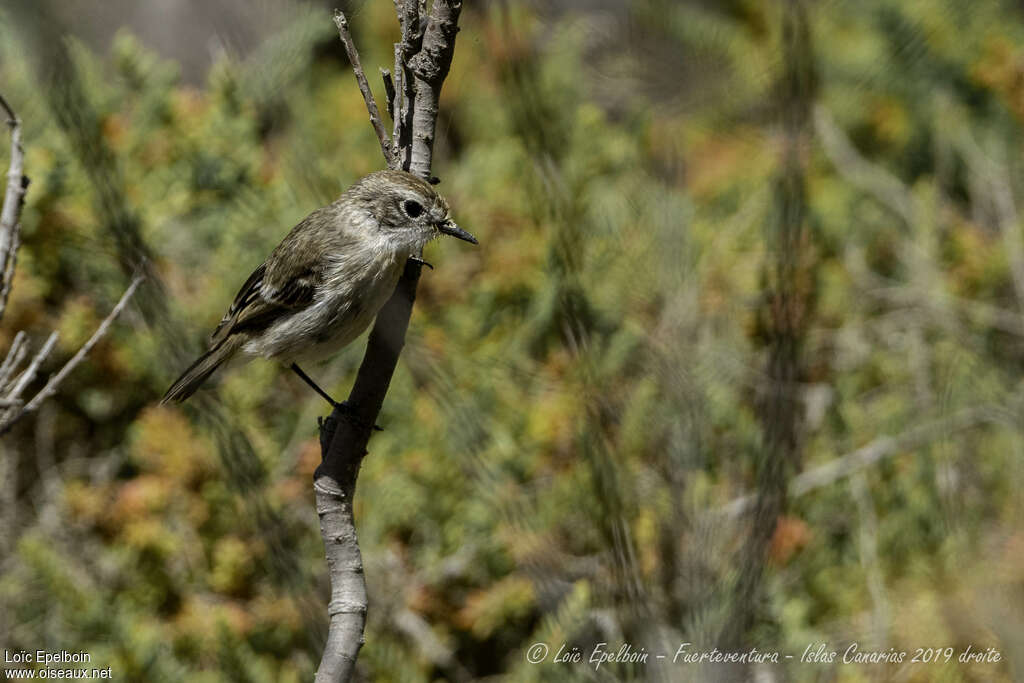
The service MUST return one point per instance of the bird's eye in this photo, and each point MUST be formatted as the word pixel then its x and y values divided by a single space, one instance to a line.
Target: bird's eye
pixel 412 209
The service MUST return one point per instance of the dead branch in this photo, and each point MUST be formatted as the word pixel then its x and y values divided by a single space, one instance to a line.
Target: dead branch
pixel 29 373
pixel 364 87
pixel 866 456
pixel 871 178
pixel 10 215
pixel 14 357
pixel 430 67
pixel 344 437
pixel 17 411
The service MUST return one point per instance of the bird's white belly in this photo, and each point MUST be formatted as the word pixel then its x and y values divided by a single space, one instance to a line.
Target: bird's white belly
pixel 334 320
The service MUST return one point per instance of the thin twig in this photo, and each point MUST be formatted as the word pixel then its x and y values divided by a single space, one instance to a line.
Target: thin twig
pixel 51 386
pixel 371 104
pixel 889 190
pixel 26 377
pixel 865 456
pixel 29 373
pixel 12 119
pixel 14 357
pixel 10 215
pixel 906 294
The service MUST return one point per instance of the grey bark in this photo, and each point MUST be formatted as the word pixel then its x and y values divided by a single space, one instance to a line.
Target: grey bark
pixel 422 60
pixel 10 214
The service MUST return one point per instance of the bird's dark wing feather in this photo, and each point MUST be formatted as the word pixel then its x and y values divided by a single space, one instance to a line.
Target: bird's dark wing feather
pixel 287 281
pixel 262 300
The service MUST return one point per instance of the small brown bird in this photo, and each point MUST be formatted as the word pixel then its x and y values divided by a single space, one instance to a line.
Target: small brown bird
pixel 326 281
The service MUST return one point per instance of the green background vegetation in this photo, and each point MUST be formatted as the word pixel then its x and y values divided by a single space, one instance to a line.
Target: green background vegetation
pixel 581 393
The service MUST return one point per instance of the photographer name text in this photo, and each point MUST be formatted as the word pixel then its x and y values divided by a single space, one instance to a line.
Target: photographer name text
pixel 46 657
pixel 816 653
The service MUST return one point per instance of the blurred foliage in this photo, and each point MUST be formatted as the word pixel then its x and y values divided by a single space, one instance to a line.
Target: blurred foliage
pixel 577 396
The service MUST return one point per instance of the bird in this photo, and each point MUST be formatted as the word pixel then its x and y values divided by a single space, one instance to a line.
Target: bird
pixel 323 285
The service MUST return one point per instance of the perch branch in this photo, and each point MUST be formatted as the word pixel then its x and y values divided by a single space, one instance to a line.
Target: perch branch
pixel 52 384
pixel 347 608
pixel 364 87
pixel 10 215
pixel 344 437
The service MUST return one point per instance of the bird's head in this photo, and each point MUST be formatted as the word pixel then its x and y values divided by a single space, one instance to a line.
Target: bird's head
pixel 406 209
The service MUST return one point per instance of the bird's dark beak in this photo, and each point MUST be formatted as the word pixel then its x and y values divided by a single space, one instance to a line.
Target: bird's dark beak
pixel 448 227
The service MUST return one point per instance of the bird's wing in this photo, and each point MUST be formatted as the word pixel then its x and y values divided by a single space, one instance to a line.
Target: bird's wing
pixel 264 298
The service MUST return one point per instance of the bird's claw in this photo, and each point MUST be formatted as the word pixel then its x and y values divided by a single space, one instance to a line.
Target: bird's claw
pixel 417 259
pixel 349 413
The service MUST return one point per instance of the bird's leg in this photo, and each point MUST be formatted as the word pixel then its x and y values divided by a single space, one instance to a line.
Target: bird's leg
pixel 342 407
pixel 306 378
pixel 417 259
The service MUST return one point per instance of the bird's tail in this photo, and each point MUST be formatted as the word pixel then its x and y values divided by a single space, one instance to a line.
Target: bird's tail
pixel 200 371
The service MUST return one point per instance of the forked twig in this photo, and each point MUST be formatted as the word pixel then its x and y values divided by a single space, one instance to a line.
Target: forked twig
pixel 29 373
pixel 14 357
pixel 364 87
pixel 51 386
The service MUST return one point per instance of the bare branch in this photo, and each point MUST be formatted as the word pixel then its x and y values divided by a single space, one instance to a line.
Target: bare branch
pixel 866 456
pixel 889 190
pixel 371 104
pixel 29 373
pixel 904 295
pixel 347 608
pixel 430 67
pixel 10 215
pixel 14 357
pixel 51 386
pixel 344 436
pixel 411 14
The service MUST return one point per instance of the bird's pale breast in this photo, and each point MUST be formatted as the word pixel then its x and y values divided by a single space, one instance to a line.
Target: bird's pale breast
pixel 344 306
